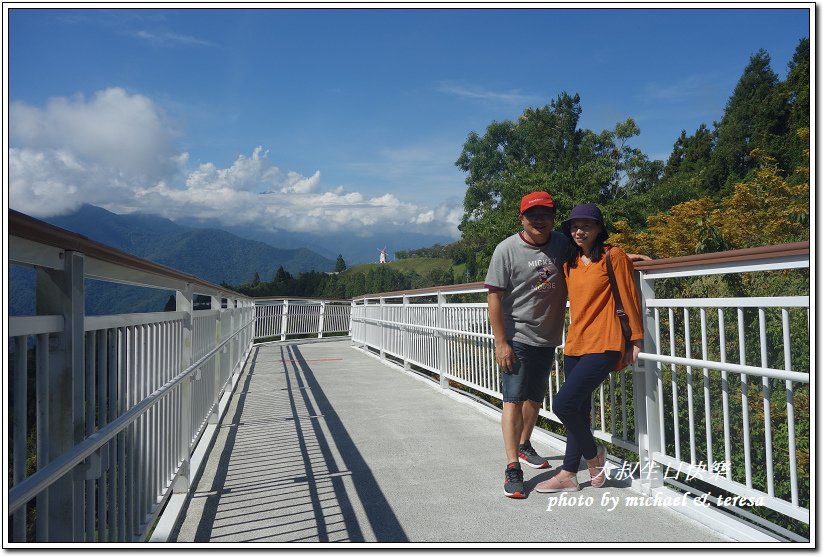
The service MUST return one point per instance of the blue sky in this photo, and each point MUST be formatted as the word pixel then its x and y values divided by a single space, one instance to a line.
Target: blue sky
pixel 344 121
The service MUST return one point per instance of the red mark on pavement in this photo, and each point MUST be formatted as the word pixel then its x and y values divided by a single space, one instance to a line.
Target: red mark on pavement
pixel 313 361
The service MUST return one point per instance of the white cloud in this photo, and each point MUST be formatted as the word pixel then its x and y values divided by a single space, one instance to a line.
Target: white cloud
pixel 37 178
pixel 514 97
pixel 170 39
pixel 446 216
pixel 246 174
pixel 424 218
pixel 299 184
pixel 113 129
pixel 117 150
pixel 680 91
pixel 293 202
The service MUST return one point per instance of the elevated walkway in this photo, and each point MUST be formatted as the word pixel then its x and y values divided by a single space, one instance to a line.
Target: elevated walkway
pixel 323 443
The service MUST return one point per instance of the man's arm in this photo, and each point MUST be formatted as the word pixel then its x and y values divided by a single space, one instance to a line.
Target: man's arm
pixel 503 350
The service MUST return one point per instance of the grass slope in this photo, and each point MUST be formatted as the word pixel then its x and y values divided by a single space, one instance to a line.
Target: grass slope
pixel 420 265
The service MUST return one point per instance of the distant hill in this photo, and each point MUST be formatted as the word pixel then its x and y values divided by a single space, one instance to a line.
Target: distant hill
pixel 210 254
pixel 355 249
pixel 216 255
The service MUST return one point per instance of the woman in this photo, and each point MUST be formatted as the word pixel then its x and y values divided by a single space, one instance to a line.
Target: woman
pixel 595 344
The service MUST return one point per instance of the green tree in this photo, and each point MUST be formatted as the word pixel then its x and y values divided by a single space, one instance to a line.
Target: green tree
pixel 282 283
pixel 772 206
pixel 752 119
pixel 545 150
pixel 682 175
pixel 765 209
pixel 471 267
pixel 710 237
pixel 797 97
pixel 513 158
pixel 281 275
pixel 340 264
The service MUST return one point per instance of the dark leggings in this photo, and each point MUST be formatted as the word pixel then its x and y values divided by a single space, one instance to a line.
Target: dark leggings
pixel 582 375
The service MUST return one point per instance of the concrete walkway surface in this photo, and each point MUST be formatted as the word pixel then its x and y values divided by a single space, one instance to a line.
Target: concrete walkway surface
pixel 323 443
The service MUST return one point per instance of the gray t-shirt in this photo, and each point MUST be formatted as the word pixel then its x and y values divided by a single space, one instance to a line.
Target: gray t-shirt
pixel 534 289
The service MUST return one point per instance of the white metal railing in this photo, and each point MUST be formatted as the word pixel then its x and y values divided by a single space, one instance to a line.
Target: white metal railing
pixel 713 397
pixel 108 410
pixel 721 387
pixel 290 317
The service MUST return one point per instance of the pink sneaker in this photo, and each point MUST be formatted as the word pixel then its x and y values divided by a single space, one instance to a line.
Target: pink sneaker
pixel 556 484
pixel 597 468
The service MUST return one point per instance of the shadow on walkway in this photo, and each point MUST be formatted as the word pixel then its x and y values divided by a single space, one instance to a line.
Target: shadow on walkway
pixel 381 518
pixel 322 443
pixel 284 468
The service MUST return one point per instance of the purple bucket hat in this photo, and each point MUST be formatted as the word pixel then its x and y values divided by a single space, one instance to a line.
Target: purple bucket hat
pixel 585 211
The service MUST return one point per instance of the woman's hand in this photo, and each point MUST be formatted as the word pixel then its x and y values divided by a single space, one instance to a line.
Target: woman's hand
pixel 630 357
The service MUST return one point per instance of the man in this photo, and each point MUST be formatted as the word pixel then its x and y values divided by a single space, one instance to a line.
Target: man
pixel 527 301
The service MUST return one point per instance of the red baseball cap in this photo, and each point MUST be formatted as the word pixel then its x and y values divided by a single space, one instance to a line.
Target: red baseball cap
pixel 535 199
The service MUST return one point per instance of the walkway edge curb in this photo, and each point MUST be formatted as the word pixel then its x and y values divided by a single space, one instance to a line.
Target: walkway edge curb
pixel 173 510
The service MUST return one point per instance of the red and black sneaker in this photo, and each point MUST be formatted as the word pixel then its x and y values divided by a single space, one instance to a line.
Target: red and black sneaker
pixel 530 457
pixel 514 481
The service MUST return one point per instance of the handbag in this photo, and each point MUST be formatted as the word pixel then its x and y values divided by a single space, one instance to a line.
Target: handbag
pixel 619 309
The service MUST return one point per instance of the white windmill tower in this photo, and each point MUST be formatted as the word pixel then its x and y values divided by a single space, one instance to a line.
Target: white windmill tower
pixel 383 254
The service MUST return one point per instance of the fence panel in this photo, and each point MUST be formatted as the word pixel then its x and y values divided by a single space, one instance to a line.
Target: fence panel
pixel 128 378
pixel 286 318
pixel 731 397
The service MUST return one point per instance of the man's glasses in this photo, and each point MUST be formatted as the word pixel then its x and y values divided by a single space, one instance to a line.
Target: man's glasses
pixel 539 216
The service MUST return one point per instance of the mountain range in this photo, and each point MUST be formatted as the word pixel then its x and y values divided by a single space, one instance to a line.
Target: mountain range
pixel 208 253
pixel 354 249
pixel 218 255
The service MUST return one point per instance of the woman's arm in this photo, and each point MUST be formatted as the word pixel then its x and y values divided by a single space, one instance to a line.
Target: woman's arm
pixel 629 297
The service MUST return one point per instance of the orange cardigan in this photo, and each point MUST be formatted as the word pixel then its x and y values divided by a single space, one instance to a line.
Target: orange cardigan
pixel 594 326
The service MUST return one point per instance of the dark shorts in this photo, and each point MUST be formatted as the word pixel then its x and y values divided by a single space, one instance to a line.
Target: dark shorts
pixel 530 373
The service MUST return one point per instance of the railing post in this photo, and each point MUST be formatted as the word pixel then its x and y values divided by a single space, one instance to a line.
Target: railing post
pixel 361 325
pixel 232 311
pixel 407 334
pixel 320 323
pixel 243 318
pixel 184 301
pixel 647 401
pixel 381 325
pixel 20 421
pixel 352 306
pixel 62 292
pixel 249 312
pixel 220 358
pixel 440 336
pixel 259 325
pixel 284 319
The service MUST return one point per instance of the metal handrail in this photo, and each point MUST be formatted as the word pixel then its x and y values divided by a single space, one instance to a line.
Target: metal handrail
pixel 29 228
pixel 20 494
pixel 794 249
pixel 771 373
